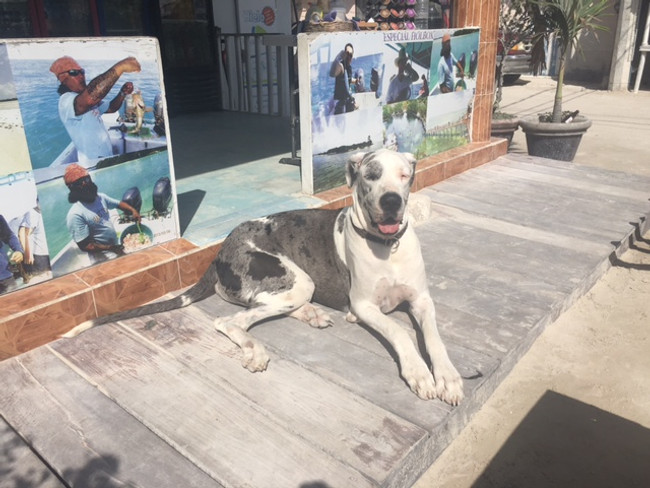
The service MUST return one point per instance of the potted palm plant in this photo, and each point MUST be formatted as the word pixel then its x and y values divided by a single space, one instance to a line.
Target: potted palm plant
pixel 557 135
pixel 515 27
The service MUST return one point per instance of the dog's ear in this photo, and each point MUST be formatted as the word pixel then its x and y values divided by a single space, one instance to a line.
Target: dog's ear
pixel 413 162
pixel 352 168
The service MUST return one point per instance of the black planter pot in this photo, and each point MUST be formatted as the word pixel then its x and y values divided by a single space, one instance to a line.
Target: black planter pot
pixel 554 140
pixel 504 127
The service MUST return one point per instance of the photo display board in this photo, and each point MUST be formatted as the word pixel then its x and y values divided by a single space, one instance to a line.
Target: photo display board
pixel 83 128
pixel 411 91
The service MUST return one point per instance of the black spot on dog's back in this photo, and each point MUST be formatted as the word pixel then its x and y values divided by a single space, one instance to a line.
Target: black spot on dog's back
pixel 305 251
pixel 228 278
pixel 299 220
pixel 263 265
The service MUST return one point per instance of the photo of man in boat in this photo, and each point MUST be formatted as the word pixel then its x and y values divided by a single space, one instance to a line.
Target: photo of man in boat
pixel 88 219
pixel 81 105
pixel 399 87
pixel 341 71
pixel 446 66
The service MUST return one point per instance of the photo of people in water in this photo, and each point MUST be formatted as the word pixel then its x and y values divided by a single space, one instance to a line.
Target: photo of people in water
pixel 411 92
pixel 93 119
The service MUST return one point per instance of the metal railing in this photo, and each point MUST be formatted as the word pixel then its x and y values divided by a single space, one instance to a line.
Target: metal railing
pixel 257 73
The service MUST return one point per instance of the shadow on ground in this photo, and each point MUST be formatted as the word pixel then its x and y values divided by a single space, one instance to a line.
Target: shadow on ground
pixel 188 204
pixel 209 141
pixel 563 442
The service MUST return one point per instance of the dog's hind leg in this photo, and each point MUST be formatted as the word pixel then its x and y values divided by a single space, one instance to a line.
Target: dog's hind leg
pixel 312 315
pixel 235 328
pixel 266 299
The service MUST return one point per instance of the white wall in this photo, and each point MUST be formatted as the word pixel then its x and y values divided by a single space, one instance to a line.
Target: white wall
pixel 619 75
pixel 593 61
pixel 225 16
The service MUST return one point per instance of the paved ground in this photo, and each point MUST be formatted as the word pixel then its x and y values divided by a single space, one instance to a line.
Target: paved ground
pixel 619 138
pixel 580 397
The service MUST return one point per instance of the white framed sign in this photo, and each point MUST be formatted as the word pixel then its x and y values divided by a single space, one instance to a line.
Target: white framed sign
pixel 83 111
pixel 359 91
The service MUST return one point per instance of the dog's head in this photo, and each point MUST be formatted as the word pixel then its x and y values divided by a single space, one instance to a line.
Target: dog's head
pixel 381 182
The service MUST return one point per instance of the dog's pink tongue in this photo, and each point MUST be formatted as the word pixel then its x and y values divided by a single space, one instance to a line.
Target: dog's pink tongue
pixel 389 228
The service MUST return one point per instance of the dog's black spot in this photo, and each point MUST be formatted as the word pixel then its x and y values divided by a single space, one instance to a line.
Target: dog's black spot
pixel 305 251
pixel 283 286
pixel 373 170
pixel 248 226
pixel 228 279
pixel 264 265
pixel 299 221
pixel 351 173
pixel 340 222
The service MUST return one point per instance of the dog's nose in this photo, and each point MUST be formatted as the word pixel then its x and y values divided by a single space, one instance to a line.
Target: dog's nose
pixel 390 202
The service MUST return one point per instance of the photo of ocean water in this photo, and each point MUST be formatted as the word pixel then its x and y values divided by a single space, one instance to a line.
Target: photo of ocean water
pixel 36 88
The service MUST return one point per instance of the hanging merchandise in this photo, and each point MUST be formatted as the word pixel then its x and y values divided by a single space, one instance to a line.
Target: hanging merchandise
pixel 392 14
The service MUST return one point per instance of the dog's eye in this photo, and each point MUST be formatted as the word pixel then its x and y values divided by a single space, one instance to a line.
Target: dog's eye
pixel 406 176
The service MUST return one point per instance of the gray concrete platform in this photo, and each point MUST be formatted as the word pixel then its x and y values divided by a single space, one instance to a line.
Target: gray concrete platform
pixel 163 401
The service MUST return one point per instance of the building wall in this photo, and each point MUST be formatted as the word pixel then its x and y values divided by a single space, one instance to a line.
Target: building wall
pixel 624 45
pixel 592 60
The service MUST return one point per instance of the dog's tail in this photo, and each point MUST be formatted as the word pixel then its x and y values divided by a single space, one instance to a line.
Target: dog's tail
pixel 204 288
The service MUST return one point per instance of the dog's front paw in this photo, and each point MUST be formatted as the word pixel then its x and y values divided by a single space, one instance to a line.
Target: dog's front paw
pixel 255 358
pixel 420 380
pixel 449 385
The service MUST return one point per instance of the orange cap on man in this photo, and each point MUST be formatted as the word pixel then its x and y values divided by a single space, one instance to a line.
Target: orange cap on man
pixel 73 172
pixel 63 65
pixel 446 37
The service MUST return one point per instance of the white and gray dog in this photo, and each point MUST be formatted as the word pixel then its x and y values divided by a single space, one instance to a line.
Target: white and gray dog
pixel 364 259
